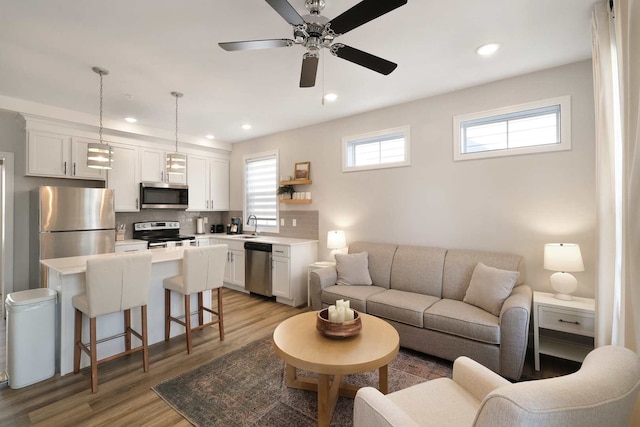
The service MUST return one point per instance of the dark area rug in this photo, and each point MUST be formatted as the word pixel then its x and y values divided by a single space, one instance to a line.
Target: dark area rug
pixel 246 388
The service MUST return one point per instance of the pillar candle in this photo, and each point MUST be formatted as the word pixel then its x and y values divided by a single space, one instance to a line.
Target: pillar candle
pixel 349 315
pixel 341 313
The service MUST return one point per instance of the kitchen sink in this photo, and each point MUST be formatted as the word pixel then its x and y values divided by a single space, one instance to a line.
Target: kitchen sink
pixel 246 237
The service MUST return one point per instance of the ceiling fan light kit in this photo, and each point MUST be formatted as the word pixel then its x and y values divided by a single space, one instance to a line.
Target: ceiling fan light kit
pixel 314 32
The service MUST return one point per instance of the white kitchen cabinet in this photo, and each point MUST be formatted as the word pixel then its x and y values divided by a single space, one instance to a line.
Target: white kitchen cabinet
pixel 280 277
pixel 152 167
pixel 208 181
pixel 124 178
pixel 60 156
pixel 152 164
pixel 203 241
pixel 131 246
pixel 234 269
pixel 290 268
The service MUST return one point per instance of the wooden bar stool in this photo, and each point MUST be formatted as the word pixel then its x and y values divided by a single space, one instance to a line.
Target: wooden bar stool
pixel 202 270
pixel 113 284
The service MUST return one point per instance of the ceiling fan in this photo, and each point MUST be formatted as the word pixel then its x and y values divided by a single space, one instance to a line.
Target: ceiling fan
pixel 314 32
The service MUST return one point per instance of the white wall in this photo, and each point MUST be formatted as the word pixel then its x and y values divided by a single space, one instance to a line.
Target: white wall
pixel 512 204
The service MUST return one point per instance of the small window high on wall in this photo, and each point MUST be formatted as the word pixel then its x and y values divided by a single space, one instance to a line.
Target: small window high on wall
pixel 387 148
pixel 260 187
pixel 521 129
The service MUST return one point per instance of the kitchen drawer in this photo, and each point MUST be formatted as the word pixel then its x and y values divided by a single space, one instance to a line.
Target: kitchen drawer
pixel 281 251
pixel 574 322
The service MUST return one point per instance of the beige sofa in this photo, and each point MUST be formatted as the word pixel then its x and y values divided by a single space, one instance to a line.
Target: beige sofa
pixel 420 291
pixel 602 393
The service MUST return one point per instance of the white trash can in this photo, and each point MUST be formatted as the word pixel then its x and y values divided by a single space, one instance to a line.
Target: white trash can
pixel 31 331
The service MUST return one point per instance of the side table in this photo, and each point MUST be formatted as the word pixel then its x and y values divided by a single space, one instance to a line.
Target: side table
pixel 315 266
pixel 567 319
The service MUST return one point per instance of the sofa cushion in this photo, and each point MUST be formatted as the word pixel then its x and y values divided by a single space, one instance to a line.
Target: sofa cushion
pixel 464 320
pixel 418 269
pixel 489 287
pixel 380 259
pixel 353 269
pixel 459 266
pixel 358 295
pixel 403 307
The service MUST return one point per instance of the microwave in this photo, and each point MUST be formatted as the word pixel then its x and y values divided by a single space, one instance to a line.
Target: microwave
pixel 158 195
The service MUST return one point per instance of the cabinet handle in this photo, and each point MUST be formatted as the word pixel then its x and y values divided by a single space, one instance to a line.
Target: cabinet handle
pixel 162 176
pixel 207 204
pixel 65 168
pixel 279 252
pixel 137 203
pixel 568 321
pixel 74 168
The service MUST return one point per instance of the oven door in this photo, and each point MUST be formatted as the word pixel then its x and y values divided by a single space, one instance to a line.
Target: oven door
pixel 155 195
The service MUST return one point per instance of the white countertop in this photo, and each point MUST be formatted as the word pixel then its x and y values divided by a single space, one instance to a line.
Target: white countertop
pixel 78 264
pixel 288 241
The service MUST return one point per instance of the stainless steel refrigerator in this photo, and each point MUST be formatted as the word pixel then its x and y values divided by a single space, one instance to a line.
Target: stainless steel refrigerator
pixel 74 221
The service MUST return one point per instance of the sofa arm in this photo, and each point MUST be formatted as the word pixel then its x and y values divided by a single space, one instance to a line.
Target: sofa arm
pixel 514 331
pixel 476 378
pixel 373 409
pixel 319 279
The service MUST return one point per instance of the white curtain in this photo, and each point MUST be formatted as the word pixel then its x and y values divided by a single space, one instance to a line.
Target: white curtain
pixel 616 69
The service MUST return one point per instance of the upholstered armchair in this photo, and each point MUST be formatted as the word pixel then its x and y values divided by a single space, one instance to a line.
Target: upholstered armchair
pixel 602 393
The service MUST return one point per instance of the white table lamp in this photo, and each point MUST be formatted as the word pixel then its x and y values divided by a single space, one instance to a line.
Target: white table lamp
pixel 563 258
pixel 336 241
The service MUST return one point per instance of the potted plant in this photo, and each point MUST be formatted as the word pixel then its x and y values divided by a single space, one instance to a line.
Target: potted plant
pixel 286 191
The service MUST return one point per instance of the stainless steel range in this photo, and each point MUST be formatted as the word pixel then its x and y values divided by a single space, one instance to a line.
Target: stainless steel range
pixel 159 234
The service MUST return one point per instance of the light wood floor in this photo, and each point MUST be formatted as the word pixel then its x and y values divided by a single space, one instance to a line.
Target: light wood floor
pixel 124 396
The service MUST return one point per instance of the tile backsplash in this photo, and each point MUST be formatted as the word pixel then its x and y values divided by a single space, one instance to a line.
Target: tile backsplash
pixel 306 221
pixel 187 219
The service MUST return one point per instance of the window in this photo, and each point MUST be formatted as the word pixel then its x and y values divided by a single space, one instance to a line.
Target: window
pixel 260 186
pixel 383 149
pixel 522 129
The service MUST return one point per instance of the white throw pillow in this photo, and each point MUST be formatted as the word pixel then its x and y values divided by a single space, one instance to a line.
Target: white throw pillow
pixel 353 269
pixel 489 287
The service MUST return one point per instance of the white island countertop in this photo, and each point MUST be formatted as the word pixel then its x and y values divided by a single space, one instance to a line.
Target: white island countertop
pixel 78 264
pixel 275 240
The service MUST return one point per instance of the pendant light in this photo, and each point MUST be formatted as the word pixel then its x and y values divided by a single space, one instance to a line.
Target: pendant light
pixel 176 162
pixel 100 155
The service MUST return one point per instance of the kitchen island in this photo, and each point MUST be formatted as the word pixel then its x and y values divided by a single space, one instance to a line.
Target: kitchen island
pixel 67 277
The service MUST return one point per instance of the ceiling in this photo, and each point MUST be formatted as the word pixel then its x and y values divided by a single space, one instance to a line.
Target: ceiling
pixel 153 47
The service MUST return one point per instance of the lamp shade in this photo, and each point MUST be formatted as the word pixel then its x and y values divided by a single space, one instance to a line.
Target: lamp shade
pixel 336 239
pixel 563 257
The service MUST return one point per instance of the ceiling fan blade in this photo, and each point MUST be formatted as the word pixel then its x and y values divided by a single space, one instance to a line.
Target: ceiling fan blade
pixel 255 44
pixel 309 70
pixel 284 8
pixel 363 12
pixel 365 59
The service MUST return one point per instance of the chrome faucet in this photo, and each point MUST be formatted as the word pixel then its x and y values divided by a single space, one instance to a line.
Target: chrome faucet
pixel 255 223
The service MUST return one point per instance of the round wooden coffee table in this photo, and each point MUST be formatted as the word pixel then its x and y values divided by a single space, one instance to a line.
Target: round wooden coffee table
pixel 300 345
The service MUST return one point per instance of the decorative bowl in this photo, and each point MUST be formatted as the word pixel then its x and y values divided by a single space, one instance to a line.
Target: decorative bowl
pixel 338 330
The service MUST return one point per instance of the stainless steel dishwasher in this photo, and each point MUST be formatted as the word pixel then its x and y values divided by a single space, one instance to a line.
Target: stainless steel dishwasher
pixel 257 268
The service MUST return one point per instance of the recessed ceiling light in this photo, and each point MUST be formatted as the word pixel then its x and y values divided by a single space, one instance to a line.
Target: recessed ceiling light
pixel 130 119
pixel 330 97
pixel 488 49
pixel 210 136
pixel 246 126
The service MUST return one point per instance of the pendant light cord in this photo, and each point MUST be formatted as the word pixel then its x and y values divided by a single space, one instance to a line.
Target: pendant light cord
pixel 176 123
pixel 100 131
pixel 176 95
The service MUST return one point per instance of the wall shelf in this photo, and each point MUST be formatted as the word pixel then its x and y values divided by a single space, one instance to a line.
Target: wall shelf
pixel 296 201
pixel 296 182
